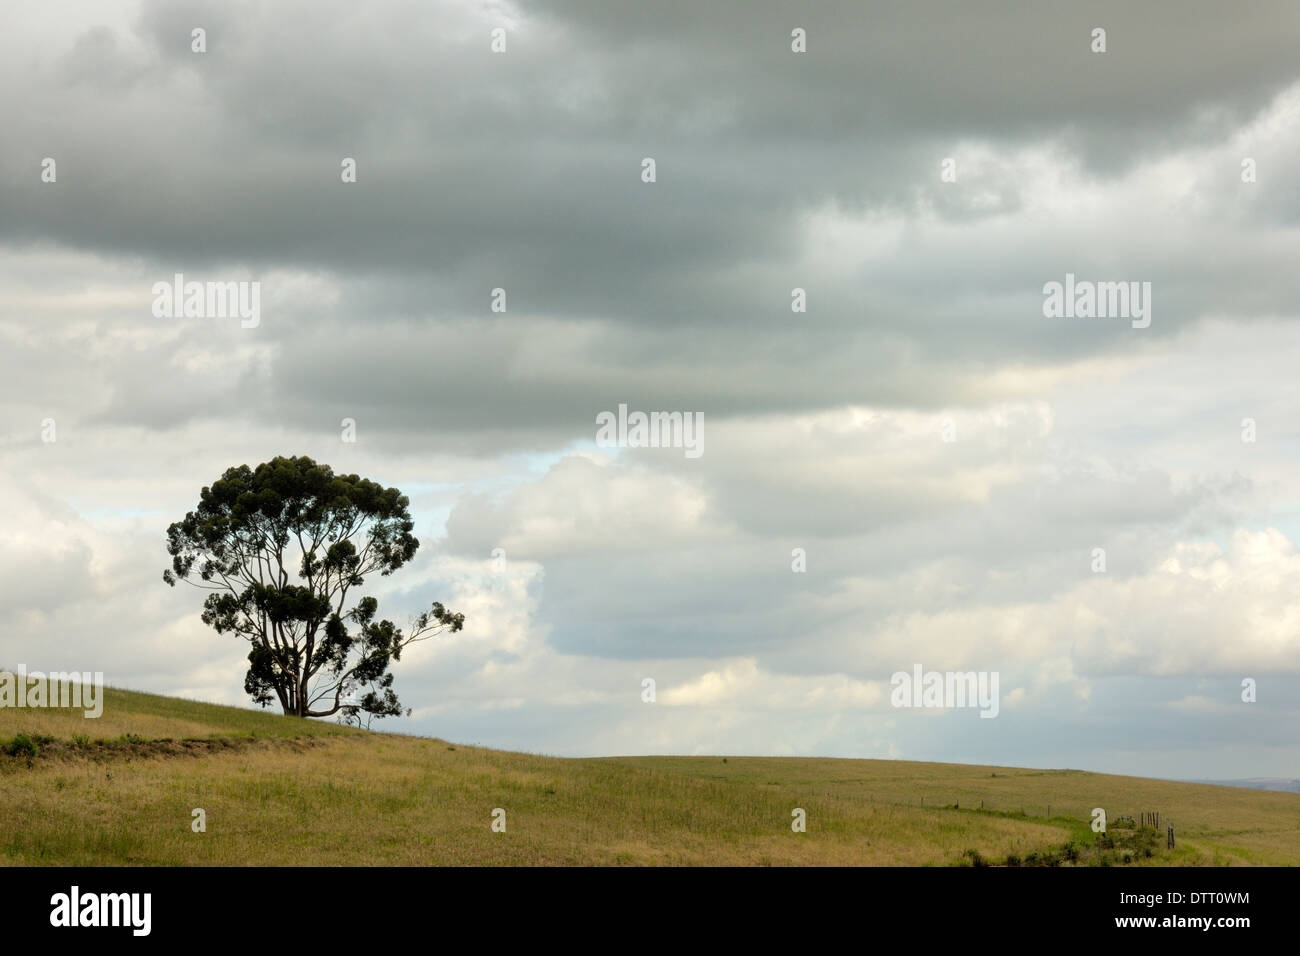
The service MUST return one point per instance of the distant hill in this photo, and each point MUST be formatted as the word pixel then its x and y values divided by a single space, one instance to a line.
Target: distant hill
pixel 1280 784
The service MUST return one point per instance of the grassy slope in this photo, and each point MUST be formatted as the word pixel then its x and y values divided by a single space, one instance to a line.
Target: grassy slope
pixel 281 791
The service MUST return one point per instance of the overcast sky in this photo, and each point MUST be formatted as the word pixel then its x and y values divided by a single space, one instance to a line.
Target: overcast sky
pixel 823 430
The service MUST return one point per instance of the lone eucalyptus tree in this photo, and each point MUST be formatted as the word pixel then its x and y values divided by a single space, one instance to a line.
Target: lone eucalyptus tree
pixel 278 547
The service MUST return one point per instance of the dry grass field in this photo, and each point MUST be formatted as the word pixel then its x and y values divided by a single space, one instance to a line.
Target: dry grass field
pixel 120 790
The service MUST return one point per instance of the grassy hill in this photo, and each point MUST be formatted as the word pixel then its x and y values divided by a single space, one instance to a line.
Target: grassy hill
pixel 120 790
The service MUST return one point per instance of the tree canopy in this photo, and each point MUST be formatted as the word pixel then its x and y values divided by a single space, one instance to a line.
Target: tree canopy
pixel 282 547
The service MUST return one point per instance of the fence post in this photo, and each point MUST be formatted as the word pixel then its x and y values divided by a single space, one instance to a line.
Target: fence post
pixel 1171 836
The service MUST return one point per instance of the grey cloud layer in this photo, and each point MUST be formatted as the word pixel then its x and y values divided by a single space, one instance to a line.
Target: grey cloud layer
pixel 521 171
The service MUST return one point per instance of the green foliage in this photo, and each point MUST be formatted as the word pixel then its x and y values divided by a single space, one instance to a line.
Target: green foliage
pixel 21 746
pixel 281 548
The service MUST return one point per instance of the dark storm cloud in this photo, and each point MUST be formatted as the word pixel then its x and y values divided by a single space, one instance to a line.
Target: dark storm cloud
pixel 521 170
